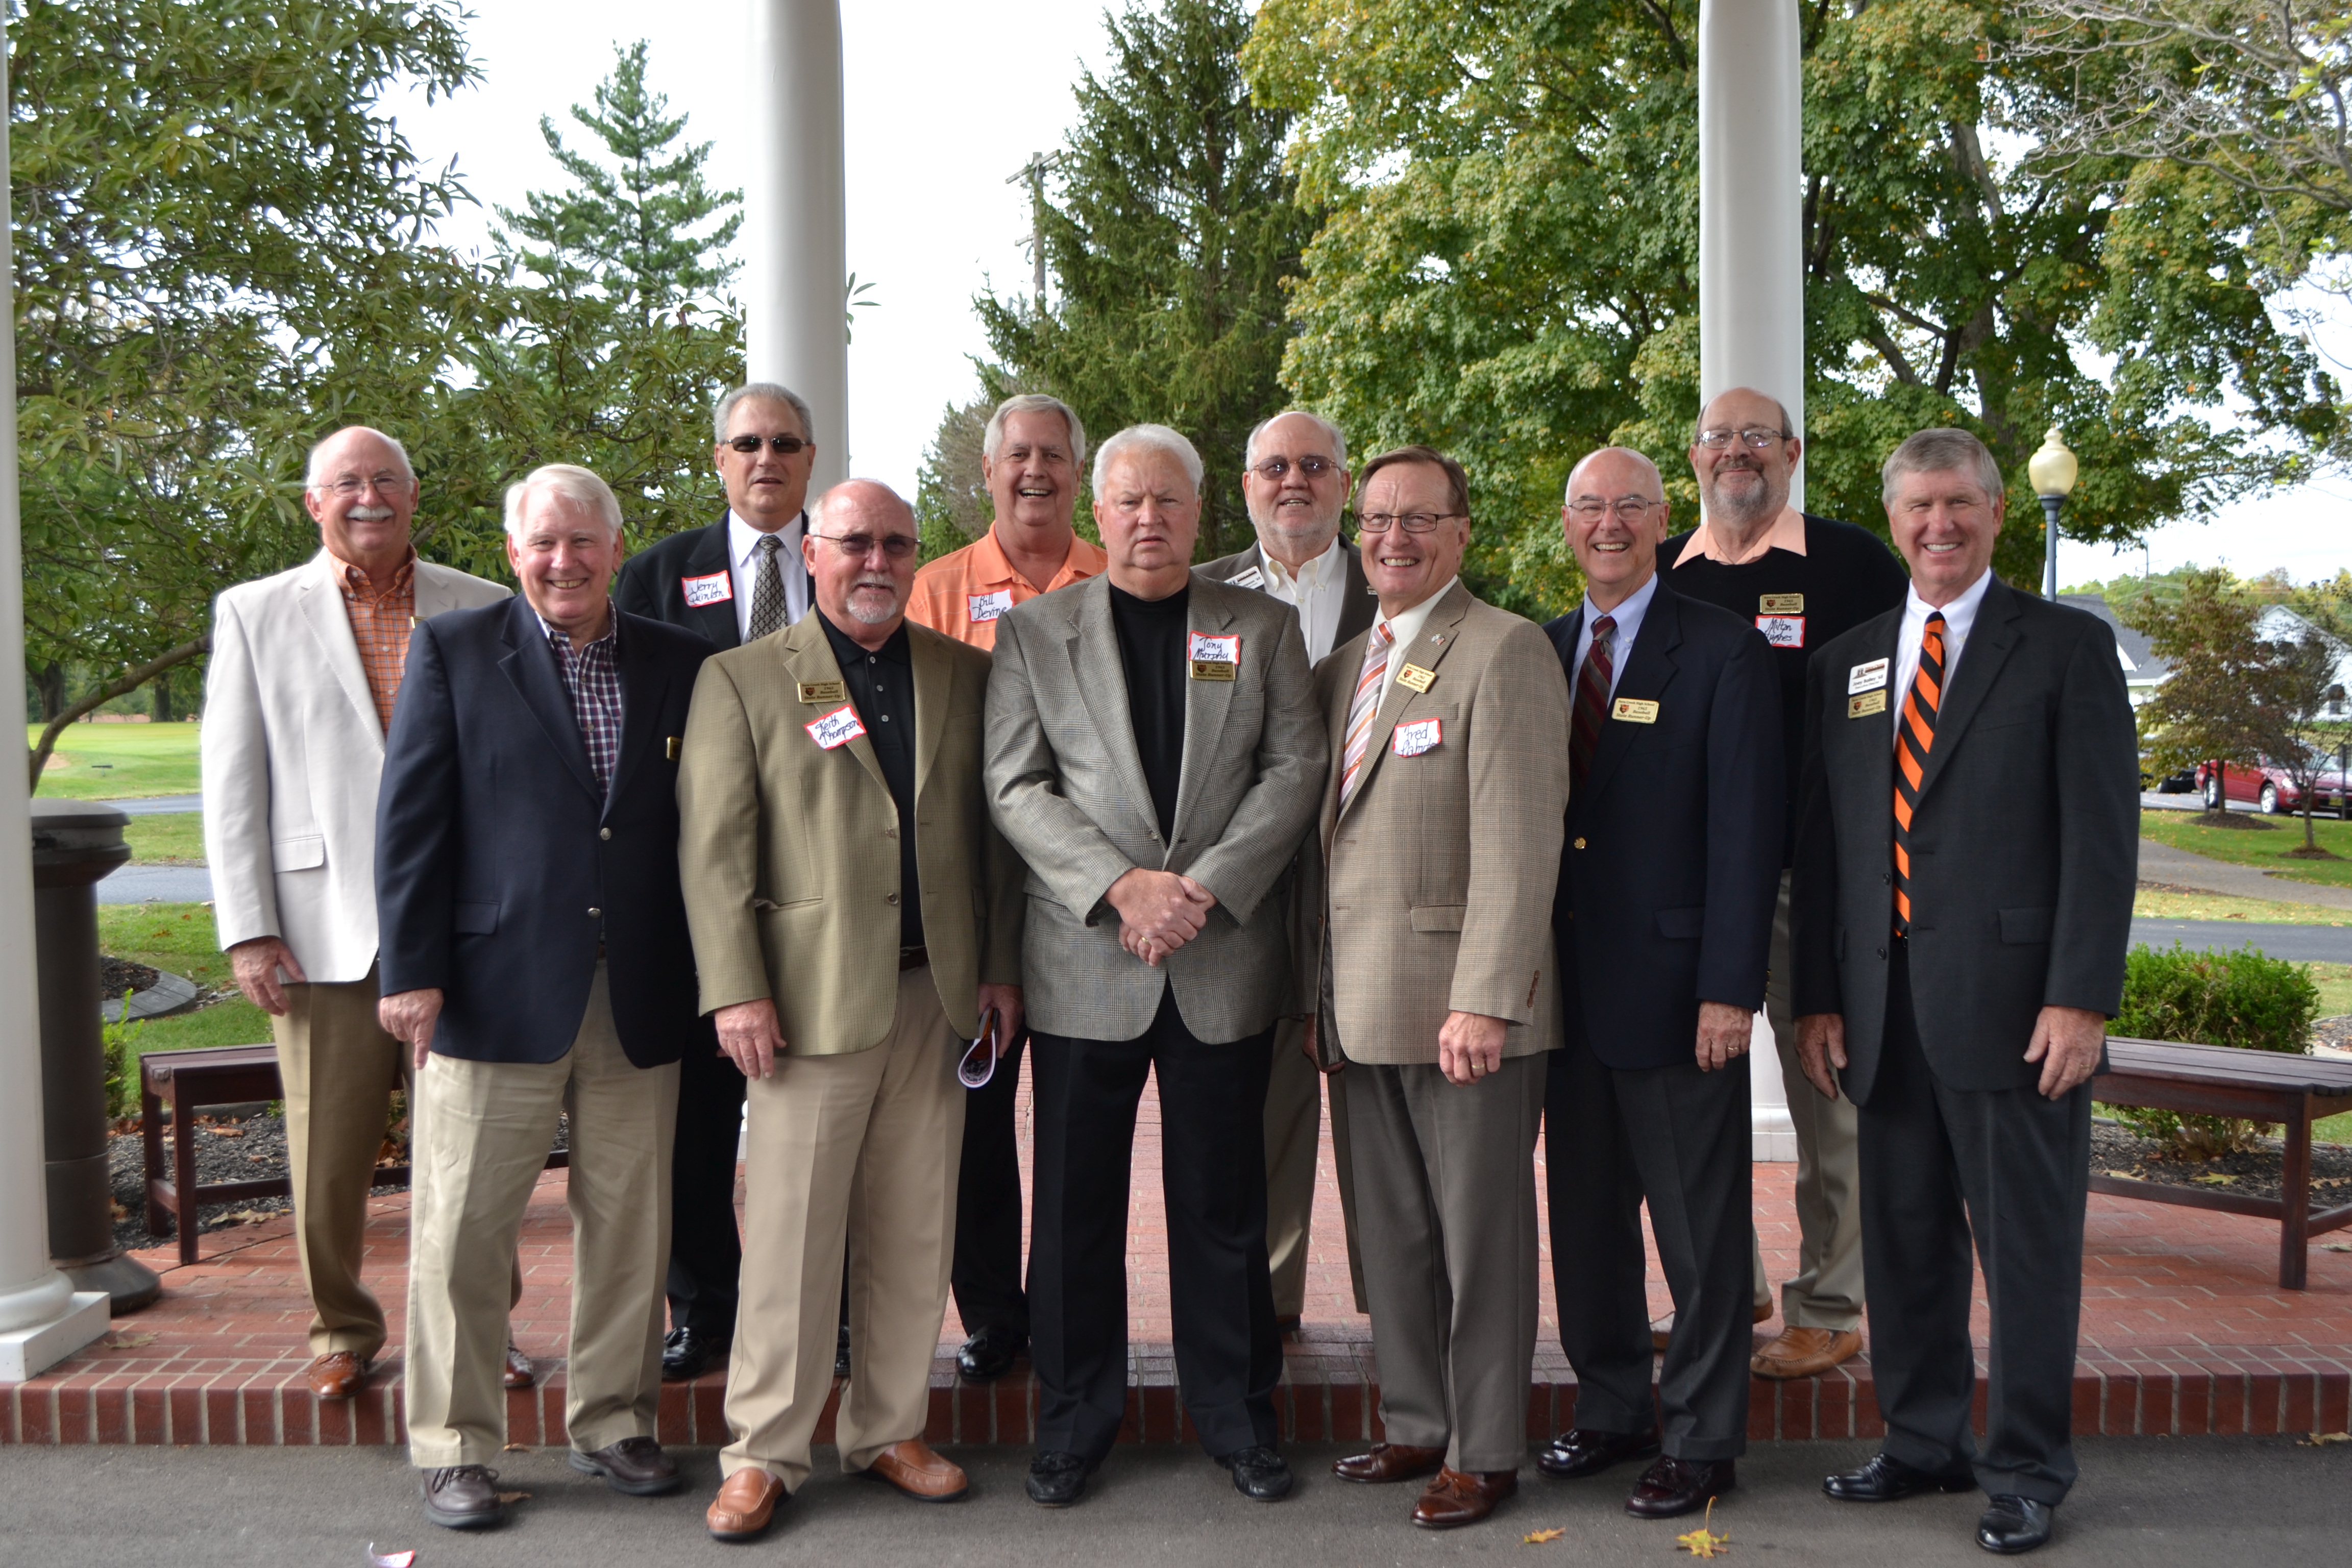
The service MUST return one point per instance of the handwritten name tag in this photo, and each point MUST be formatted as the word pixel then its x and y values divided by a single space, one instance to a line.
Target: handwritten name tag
pixel 1633 711
pixel 715 588
pixel 1214 657
pixel 1862 707
pixel 1866 677
pixel 1782 631
pixel 1417 678
pixel 824 691
pixel 837 727
pixel 988 607
pixel 1411 740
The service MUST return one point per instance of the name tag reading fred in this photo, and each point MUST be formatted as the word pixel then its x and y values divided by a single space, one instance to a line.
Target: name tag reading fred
pixel 988 607
pixel 1214 658
pixel 1870 702
pixel 1782 631
pixel 837 727
pixel 1410 740
pixel 717 588
pixel 1417 678
pixel 1869 676
pixel 1634 710
pixel 824 691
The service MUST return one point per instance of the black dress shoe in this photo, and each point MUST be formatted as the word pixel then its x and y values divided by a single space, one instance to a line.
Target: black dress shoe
pixel 1258 1472
pixel 990 1352
pixel 1579 1453
pixel 688 1354
pixel 1674 1487
pixel 1057 1480
pixel 2015 1524
pixel 1889 1479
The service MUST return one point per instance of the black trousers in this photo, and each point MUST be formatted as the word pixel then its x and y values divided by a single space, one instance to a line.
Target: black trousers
pixel 1213 1172
pixel 1681 1139
pixel 2003 1172
pixel 986 1273
pixel 705 1250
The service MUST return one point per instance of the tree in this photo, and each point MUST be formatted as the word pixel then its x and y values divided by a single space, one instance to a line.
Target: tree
pixel 2292 715
pixel 952 501
pixel 1175 231
pixel 1509 265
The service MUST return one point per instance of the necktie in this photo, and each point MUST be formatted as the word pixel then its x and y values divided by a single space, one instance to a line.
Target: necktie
pixel 1592 702
pixel 1363 708
pixel 1914 732
pixel 767 590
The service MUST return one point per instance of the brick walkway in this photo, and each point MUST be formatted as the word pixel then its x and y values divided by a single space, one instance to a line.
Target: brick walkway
pixel 2184 1331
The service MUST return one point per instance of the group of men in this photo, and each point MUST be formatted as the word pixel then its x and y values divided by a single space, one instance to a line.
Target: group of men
pixel 768 828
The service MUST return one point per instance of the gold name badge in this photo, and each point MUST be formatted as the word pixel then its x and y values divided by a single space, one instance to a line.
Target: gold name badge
pixel 1633 711
pixel 671 747
pixel 1415 676
pixel 1214 669
pixel 1780 604
pixel 824 691
pixel 1864 706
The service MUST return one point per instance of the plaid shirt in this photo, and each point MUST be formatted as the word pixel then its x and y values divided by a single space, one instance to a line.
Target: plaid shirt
pixel 380 624
pixel 593 679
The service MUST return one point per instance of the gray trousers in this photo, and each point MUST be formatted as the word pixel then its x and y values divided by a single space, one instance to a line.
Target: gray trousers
pixel 1827 1292
pixel 1294 1128
pixel 1446 1209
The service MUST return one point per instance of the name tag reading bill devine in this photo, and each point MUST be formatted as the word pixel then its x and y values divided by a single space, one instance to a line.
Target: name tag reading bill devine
pixel 1411 740
pixel 1634 710
pixel 1214 657
pixel 837 727
pixel 988 607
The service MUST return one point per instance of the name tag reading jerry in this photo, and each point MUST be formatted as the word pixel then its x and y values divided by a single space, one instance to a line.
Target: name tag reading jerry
pixel 1634 710
pixel 1870 702
pixel 1214 658
pixel 837 727
pixel 1868 676
pixel 824 691
pixel 1782 631
pixel 1415 678
pixel 1411 740
pixel 715 588
pixel 988 607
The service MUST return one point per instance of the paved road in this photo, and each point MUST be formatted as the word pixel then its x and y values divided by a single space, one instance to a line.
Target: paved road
pixel 2194 1502
pixel 159 805
pixel 138 884
pixel 2304 944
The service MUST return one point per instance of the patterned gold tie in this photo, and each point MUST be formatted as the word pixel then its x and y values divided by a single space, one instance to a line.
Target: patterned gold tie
pixel 767 590
pixel 1363 708
pixel 1915 734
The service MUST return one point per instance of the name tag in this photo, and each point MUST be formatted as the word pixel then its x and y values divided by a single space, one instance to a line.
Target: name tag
pixel 717 588
pixel 824 691
pixel 988 607
pixel 1417 678
pixel 1864 706
pixel 1633 711
pixel 1248 578
pixel 1420 735
pixel 1214 658
pixel 672 746
pixel 1782 604
pixel 1783 631
pixel 837 727
pixel 1868 676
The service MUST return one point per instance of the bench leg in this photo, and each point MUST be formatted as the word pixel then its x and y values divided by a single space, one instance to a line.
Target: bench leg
pixel 183 1171
pixel 151 1141
pixel 2294 1199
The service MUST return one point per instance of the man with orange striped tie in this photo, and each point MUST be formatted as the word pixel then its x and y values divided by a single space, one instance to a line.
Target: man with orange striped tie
pixel 1965 861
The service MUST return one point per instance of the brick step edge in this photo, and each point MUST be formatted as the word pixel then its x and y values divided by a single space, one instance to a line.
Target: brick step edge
pixel 2176 1396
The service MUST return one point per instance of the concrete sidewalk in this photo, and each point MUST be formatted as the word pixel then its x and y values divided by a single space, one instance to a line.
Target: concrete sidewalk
pixel 2181 869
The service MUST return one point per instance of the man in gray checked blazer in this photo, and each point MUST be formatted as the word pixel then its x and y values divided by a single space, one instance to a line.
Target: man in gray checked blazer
pixel 1155 757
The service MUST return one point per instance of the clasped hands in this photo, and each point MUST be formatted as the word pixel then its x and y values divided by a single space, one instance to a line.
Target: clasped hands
pixel 1158 911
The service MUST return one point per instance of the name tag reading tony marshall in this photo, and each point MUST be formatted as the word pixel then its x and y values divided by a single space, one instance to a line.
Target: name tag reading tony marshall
pixel 988 607
pixel 1410 740
pixel 1634 710
pixel 1214 658
pixel 837 727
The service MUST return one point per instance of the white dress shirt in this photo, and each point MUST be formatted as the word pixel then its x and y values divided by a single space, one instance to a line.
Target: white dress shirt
pixel 1406 625
pixel 1628 613
pixel 1314 591
pixel 1959 615
pixel 743 561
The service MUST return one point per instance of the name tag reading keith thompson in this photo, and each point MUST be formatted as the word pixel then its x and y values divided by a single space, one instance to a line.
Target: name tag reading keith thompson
pixel 1214 658
pixel 837 727
pixel 1410 740
pixel 988 607
pixel 714 588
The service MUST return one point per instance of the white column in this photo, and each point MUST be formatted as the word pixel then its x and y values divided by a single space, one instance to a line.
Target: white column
pixel 797 268
pixel 1752 192
pixel 42 1319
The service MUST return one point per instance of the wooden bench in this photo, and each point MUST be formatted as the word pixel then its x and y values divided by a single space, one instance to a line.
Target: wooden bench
pixel 2224 1081
pixel 227 1075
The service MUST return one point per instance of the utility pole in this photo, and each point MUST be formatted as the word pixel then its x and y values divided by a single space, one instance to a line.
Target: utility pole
pixel 1034 172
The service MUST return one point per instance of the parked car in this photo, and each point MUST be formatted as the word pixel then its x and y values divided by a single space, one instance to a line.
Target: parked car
pixel 2273 788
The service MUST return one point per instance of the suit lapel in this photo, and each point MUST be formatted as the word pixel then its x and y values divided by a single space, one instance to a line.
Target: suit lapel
pixel 1103 688
pixel 1986 649
pixel 529 666
pixel 1859 752
pixel 934 683
pixel 709 554
pixel 321 600
pixel 1438 634
pixel 808 657
pixel 1205 705
pixel 1649 671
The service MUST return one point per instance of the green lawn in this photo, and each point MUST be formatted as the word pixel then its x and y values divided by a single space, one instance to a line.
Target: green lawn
pixel 181 938
pixel 2221 907
pixel 100 761
pixel 179 835
pixel 2265 846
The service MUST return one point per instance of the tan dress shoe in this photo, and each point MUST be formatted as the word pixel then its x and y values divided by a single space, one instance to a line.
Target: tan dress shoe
pixel 1389 1462
pixel 922 1475
pixel 1805 1352
pixel 746 1502
pixel 337 1375
pixel 1457 1497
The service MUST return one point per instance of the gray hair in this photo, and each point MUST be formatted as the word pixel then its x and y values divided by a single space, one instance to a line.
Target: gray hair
pixel 312 478
pixel 1152 438
pixel 1941 451
pixel 773 393
pixel 1338 437
pixel 565 482
pixel 1787 426
pixel 992 440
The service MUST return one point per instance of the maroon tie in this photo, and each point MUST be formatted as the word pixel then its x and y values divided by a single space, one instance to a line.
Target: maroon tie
pixel 1591 702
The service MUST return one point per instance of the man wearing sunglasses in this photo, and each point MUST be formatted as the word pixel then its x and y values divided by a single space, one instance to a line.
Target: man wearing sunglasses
pixel 734 582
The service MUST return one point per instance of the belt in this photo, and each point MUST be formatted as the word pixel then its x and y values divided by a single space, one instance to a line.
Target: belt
pixel 912 958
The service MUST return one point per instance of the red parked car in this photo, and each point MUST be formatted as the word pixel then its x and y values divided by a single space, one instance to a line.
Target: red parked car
pixel 2270 787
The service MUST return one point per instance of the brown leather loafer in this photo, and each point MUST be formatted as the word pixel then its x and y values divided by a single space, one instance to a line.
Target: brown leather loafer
pixel 1674 1487
pixel 922 1475
pixel 634 1465
pixel 462 1496
pixel 518 1372
pixel 1804 1353
pixel 337 1375
pixel 745 1504
pixel 1456 1497
pixel 1389 1462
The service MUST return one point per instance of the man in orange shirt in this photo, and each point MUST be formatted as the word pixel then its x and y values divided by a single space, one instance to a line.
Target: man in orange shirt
pixel 1030 459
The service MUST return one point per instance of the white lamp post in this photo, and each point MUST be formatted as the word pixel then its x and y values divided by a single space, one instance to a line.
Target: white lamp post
pixel 2051 471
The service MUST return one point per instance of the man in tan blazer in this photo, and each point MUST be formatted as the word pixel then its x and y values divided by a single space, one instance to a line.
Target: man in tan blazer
pixel 855 919
pixel 1440 839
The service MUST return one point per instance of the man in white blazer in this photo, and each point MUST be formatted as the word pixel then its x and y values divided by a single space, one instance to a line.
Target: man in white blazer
pixel 304 671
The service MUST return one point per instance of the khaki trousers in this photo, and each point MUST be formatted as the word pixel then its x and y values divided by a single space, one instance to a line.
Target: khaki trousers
pixel 858 1151
pixel 1293 1120
pixel 1827 1292
pixel 482 1133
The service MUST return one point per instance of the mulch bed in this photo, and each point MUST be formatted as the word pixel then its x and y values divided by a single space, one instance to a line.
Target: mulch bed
pixel 117 975
pixel 2255 1174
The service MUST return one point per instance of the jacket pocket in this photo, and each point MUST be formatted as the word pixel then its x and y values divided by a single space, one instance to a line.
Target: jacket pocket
pixel 1438 917
pixel 470 918
pixel 1681 925
pixel 2027 925
pixel 300 853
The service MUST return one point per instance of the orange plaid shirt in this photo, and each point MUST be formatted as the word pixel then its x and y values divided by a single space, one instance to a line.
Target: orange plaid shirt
pixel 380 624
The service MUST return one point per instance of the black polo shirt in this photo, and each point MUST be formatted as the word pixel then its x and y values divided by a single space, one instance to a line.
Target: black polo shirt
pixel 882 686
pixel 1151 646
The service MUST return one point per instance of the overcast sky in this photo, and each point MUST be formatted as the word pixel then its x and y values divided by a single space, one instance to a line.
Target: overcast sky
pixel 943 101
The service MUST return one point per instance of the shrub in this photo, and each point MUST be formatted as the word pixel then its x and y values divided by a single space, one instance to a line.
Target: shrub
pixel 2247 999
pixel 122 1062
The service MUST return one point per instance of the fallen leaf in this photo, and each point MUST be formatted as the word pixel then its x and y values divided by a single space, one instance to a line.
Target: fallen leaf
pixel 120 1342
pixel 227 1131
pixel 1538 1537
pixel 514 1497
pixel 2321 1439
pixel 389 1559
pixel 2336 1247
pixel 516 1448
pixel 1702 1542
pixel 2216 1179
pixel 2126 1175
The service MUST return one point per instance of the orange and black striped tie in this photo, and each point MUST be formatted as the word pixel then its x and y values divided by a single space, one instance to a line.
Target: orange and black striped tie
pixel 1915 733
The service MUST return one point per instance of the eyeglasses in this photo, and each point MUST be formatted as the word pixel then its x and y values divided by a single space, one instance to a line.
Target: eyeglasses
pixel 897 546
pixel 1629 509
pixel 1755 436
pixel 1411 521
pixel 787 444
pixel 1274 470
pixel 351 485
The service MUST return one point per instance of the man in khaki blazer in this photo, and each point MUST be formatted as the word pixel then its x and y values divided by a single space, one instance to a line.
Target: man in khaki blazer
pixel 1440 839
pixel 855 919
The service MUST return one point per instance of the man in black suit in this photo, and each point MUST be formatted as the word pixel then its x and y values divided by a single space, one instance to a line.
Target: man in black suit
pixel 741 578
pixel 1966 855
pixel 1664 916
pixel 536 963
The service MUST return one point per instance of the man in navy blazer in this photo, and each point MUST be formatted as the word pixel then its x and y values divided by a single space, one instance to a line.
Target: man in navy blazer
pixel 1663 917
pixel 536 962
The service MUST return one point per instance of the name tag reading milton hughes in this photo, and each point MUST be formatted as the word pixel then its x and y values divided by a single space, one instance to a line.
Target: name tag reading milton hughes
pixel 1782 631
pixel 715 588
pixel 988 607
pixel 837 727
pixel 1411 740
pixel 1214 658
